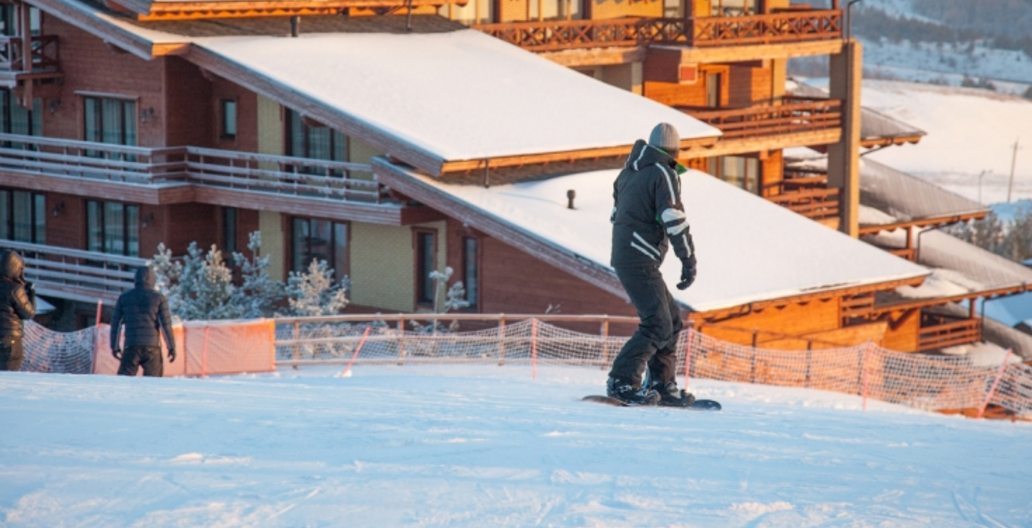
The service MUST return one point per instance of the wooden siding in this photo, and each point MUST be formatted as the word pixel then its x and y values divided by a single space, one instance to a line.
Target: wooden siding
pixel 904 329
pixel 603 9
pixel 794 319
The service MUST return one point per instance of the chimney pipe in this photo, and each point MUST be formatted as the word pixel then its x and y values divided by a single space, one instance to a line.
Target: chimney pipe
pixel 570 195
pixel 295 26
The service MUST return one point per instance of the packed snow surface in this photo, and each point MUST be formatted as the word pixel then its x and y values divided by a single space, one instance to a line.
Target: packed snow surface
pixel 459 95
pixel 748 248
pixel 487 446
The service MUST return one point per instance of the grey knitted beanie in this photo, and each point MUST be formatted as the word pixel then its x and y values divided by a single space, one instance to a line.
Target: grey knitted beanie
pixel 665 136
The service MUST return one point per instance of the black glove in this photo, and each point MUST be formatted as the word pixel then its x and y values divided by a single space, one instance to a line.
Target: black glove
pixel 117 352
pixel 171 355
pixel 687 273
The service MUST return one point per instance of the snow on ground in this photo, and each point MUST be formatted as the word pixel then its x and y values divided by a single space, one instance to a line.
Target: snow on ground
pixel 487 446
pixel 969 131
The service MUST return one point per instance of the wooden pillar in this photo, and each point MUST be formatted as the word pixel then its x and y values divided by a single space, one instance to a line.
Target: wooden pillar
pixel 25 27
pixel 844 156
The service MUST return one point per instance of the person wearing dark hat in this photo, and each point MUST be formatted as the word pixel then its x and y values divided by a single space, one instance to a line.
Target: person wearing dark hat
pixel 144 311
pixel 648 217
pixel 17 304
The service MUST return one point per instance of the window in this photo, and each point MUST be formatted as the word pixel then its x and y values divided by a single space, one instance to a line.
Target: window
pixel 23 216
pixel 229 231
pixel 471 270
pixel 738 171
pixel 229 119
pixel 320 239
pixel 733 7
pixel 305 141
pixel 113 228
pixel 14 119
pixel 426 258
pixel 9 20
pixel 111 121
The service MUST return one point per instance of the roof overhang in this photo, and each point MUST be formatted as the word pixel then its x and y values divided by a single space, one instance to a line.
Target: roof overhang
pixel 924 222
pixel 150 10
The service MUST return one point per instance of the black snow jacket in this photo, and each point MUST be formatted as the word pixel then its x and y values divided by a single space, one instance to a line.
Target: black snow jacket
pixel 647 213
pixel 144 312
pixel 16 298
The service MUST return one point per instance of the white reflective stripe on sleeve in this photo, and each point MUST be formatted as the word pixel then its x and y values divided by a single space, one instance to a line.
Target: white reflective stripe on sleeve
pixel 672 214
pixel 639 248
pixel 678 229
pixel 670 183
pixel 646 244
pixel 687 246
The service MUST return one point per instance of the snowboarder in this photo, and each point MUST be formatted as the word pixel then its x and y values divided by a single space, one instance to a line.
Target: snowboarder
pixel 17 304
pixel 145 314
pixel 647 217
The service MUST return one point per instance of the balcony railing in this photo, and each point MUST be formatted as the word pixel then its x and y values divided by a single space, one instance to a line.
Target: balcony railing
pixel 795 26
pixel 940 331
pixel 280 175
pixel 76 274
pixel 44 54
pixel 815 204
pixel 793 115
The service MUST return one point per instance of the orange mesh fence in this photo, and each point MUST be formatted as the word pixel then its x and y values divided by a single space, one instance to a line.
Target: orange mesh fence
pixel 922 381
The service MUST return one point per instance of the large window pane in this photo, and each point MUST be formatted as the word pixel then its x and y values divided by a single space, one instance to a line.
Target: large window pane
pixel 114 228
pixel 91 111
pixel 111 121
pixel 23 218
pixel 229 230
pixel 132 226
pixel 340 251
pixel 129 120
pixel 424 265
pixel 94 227
pixel 471 270
pixel 41 219
pixel 5 214
pixel 300 243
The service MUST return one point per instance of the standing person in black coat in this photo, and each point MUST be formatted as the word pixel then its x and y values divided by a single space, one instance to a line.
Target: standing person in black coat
pixel 648 216
pixel 145 314
pixel 17 304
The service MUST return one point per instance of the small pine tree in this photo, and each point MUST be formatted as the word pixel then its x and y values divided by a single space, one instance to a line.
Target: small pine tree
pixel 314 293
pixel 257 293
pixel 198 288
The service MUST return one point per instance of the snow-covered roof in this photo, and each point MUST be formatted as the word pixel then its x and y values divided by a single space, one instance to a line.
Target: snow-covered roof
pixel 749 249
pixel 907 197
pixel 460 95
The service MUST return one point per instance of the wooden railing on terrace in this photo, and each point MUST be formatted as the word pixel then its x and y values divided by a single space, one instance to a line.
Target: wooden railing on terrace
pixel 74 273
pixel 815 204
pixel 939 331
pixel 558 35
pixel 45 55
pixel 794 115
pixel 282 175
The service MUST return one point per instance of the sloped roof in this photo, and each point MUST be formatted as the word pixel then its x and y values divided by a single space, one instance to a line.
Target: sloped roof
pixel 749 249
pixel 873 124
pixel 907 197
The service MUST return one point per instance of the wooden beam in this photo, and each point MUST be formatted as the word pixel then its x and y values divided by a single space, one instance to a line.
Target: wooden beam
pixel 748 145
pixel 339 120
pixel 760 52
pixel 404 181
pixel 125 192
pixel 150 11
pixel 924 222
pixel 596 57
pixel 383 214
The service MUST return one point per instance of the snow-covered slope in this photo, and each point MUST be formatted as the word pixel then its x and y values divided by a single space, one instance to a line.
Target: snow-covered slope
pixel 486 446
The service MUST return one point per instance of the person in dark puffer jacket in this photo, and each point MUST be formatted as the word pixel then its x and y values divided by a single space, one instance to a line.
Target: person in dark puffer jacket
pixel 17 304
pixel 648 217
pixel 145 314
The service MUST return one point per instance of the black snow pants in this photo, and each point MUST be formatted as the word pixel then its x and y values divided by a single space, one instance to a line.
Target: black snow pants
pixel 655 342
pixel 11 353
pixel 148 357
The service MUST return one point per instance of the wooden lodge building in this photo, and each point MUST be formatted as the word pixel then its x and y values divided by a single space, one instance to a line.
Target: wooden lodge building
pixel 393 137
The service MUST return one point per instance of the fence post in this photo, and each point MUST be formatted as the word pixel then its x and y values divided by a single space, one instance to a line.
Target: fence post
pixel 533 348
pixel 204 352
pixel 752 367
pixel 996 383
pixel 96 336
pixel 357 350
pixel 501 341
pixel 688 359
pixel 401 341
pixel 809 360
pixel 297 345
pixel 605 342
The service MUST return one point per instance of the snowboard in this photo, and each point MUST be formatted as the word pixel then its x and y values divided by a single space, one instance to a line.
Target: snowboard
pixel 699 405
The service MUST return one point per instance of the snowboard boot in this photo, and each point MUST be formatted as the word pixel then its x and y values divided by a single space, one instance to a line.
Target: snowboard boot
pixel 625 392
pixel 671 396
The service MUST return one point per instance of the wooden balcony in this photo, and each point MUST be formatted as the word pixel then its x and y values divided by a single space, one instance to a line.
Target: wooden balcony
pixel 337 190
pixel 75 274
pixel 938 331
pixel 806 194
pixel 794 115
pixel 777 28
pixel 43 61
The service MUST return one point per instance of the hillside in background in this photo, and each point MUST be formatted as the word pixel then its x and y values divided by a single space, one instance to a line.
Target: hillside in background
pixel 951 42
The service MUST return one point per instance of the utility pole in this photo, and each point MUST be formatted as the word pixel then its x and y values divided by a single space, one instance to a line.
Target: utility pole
pixel 980 176
pixel 1014 162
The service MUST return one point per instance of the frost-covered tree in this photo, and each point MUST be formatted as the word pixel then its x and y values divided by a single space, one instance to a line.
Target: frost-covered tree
pixel 446 299
pixel 313 291
pixel 199 287
pixel 258 292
